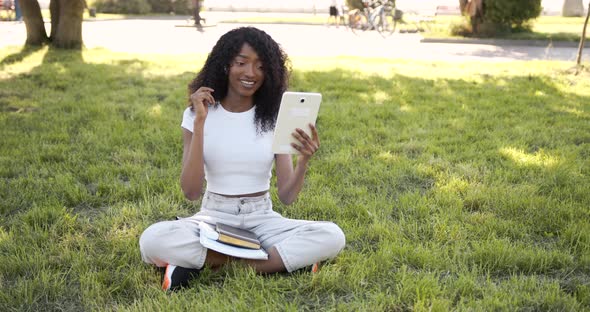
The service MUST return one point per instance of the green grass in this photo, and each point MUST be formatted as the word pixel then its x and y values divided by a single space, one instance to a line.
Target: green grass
pixel 99 16
pixel 311 19
pixel 459 186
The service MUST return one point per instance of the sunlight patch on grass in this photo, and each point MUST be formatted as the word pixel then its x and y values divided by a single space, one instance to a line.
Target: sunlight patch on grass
pixel 3 235
pixel 28 63
pixel 455 185
pixel 155 111
pixel 60 69
pixel 380 97
pixel 574 111
pixel 501 83
pixel 406 108
pixel 520 157
pixel 150 65
pixel 366 98
pixel 388 156
pixel 539 93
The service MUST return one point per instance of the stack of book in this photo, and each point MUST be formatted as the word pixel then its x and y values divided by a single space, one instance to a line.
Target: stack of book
pixel 237 237
pixel 231 241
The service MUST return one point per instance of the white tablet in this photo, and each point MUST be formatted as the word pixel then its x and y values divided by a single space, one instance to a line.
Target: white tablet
pixel 298 110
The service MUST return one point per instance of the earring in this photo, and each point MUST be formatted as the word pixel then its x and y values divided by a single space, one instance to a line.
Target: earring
pixel 225 69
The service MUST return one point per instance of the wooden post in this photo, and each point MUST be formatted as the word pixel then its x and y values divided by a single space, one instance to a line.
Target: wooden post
pixel 583 39
pixel 197 12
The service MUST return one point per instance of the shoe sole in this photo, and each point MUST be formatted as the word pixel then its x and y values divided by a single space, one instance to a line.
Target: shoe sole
pixel 167 278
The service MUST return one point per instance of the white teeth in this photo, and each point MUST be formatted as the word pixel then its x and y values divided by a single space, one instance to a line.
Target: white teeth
pixel 247 82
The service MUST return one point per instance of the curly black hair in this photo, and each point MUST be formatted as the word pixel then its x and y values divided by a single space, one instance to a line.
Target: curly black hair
pixel 275 66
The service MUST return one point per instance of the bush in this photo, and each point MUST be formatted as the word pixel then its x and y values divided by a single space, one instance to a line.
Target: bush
pixel 123 6
pixel 460 29
pixel 184 7
pixel 511 13
pixel 168 6
pixel 491 29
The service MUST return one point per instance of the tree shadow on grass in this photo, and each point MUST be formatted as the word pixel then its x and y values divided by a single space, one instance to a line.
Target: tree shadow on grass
pixel 63 56
pixel 99 160
pixel 19 56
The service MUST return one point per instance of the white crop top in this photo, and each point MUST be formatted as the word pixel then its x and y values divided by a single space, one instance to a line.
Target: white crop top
pixel 238 160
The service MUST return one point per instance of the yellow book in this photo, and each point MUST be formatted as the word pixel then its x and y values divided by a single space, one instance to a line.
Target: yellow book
pixel 237 242
pixel 237 237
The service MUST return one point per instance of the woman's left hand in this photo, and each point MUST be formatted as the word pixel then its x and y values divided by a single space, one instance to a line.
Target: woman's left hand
pixel 308 145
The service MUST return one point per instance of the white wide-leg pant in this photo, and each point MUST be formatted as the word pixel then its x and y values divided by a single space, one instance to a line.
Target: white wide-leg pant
pixel 300 243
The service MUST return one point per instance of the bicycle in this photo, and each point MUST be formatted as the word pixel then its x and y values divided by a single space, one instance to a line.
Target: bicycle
pixel 378 15
pixel 8 7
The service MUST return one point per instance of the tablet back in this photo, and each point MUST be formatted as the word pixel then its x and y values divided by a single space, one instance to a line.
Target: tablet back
pixel 298 110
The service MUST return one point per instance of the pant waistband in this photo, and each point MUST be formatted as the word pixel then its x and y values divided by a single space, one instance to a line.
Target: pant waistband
pixel 235 205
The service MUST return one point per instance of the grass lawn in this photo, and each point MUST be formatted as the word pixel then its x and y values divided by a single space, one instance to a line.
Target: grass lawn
pixel 320 19
pixel 99 16
pixel 543 28
pixel 459 186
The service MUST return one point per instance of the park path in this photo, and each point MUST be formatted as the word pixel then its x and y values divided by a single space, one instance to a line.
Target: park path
pixel 174 35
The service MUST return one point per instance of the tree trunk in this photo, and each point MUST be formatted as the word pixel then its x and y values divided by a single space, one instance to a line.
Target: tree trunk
pixel 474 10
pixel 583 39
pixel 572 8
pixel 36 34
pixel 462 6
pixel 68 33
pixel 54 11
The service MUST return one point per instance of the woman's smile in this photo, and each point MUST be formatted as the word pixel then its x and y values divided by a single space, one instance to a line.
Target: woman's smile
pixel 248 83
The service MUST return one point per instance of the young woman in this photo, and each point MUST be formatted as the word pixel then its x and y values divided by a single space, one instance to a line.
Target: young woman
pixel 227 132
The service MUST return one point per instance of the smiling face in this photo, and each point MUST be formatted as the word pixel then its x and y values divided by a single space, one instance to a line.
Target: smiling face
pixel 245 74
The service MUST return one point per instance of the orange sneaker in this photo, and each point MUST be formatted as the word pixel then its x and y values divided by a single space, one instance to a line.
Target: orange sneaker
pixel 315 267
pixel 176 277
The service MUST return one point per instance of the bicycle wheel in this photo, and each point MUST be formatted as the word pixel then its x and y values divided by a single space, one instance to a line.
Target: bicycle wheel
pixel 357 22
pixel 386 24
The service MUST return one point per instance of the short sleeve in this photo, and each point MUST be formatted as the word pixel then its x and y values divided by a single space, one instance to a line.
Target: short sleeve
pixel 188 119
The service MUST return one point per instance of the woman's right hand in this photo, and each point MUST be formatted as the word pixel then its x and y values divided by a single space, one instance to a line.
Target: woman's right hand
pixel 200 101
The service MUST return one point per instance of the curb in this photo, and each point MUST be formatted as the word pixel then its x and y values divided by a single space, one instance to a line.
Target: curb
pixel 269 23
pixel 196 27
pixel 509 42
